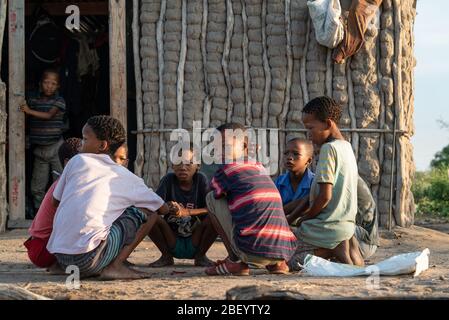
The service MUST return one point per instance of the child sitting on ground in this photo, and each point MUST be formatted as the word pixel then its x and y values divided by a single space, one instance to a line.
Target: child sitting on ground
pixel 97 224
pixel 42 225
pixel 186 233
pixel 246 211
pixel 327 227
pixel 46 128
pixel 294 186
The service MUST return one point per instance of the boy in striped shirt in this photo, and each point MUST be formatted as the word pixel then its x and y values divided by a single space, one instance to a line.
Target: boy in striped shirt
pixel 46 127
pixel 246 211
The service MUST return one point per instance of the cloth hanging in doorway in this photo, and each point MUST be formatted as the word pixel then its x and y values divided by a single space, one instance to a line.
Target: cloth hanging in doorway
pixel 360 14
pixel 88 61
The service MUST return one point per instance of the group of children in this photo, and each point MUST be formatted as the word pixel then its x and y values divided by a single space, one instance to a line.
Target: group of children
pixel 97 212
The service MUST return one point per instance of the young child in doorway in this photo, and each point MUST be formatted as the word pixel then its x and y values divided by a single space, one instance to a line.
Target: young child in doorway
pixel 246 210
pixel 187 232
pixel 327 227
pixel 46 127
pixel 294 186
pixel 104 210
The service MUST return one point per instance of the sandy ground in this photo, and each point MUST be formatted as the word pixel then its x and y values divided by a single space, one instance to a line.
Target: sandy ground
pixel 184 281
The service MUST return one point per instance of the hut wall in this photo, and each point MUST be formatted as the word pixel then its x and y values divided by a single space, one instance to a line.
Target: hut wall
pixel 257 62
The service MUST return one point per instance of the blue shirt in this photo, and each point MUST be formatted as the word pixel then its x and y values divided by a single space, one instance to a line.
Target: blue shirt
pixel 286 190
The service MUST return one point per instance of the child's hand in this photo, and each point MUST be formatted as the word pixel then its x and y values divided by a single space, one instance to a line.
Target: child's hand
pixel 177 209
pixel 24 108
pixel 183 212
pixel 174 207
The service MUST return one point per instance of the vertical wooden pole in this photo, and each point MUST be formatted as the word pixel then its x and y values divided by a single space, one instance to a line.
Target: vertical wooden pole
pixel 140 157
pixel 3 119
pixel 117 60
pixel 16 117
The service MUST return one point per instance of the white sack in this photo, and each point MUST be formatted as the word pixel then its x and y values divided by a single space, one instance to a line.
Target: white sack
pixel 407 263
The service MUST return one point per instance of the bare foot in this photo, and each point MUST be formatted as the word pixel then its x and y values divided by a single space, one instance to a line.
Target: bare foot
pixel 56 270
pixel 118 271
pixel 163 261
pixel 203 261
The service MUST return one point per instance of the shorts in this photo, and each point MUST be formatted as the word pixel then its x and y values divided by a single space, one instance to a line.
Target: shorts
pixel 184 248
pixel 122 232
pixel 38 253
pixel 219 208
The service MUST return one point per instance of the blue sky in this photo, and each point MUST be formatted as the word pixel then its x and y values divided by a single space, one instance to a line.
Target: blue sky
pixel 431 80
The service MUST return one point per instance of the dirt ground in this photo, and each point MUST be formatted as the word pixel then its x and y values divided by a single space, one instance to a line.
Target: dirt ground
pixel 184 281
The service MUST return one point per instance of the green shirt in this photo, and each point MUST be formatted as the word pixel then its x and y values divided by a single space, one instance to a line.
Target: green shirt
pixel 336 222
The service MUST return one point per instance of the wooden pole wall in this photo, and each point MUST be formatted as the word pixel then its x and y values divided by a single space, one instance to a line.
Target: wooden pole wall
pixel 16 117
pixel 117 60
pixel 3 121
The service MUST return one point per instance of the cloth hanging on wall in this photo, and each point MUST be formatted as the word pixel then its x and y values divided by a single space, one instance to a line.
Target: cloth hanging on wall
pixel 325 15
pixel 360 14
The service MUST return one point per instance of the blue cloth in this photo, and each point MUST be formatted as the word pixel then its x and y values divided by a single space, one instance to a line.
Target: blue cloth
pixel 286 190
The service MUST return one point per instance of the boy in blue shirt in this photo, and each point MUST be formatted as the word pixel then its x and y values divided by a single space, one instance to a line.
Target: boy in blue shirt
pixel 294 186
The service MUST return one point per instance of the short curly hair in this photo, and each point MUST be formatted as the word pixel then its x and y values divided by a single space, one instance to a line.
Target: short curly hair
pixel 69 149
pixel 324 108
pixel 109 129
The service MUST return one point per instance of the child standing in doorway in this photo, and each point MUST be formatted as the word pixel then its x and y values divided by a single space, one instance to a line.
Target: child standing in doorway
pixel 46 127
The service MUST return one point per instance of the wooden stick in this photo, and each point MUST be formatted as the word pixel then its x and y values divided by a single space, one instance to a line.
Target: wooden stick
pixel 138 163
pixel 382 105
pixel 117 61
pixel 393 156
pixel 305 92
pixel 207 99
pixel 397 78
pixel 355 135
pixel 359 130
pixel 266 66
pixel 160 51
pixel 285 107
pixel 246 75
pixel 3 7
pixel 12 292
pixel 181 64
pixel 16 91
pixel 225 58
pixel 3 125
pixel 329 73
pixel 3 174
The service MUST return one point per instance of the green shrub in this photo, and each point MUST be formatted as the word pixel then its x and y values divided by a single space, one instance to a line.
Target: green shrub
pixel 431 192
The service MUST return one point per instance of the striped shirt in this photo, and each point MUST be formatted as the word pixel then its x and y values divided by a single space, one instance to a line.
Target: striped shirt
pixel 46 132
pixel 260 225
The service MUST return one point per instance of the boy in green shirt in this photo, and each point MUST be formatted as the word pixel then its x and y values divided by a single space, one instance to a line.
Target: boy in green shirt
pixel 326 229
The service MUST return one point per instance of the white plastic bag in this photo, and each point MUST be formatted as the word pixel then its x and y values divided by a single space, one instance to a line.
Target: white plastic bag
pixel 325 14
pixel 415 262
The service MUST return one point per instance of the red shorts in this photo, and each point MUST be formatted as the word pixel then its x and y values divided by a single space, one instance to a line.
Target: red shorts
pixel 38 253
